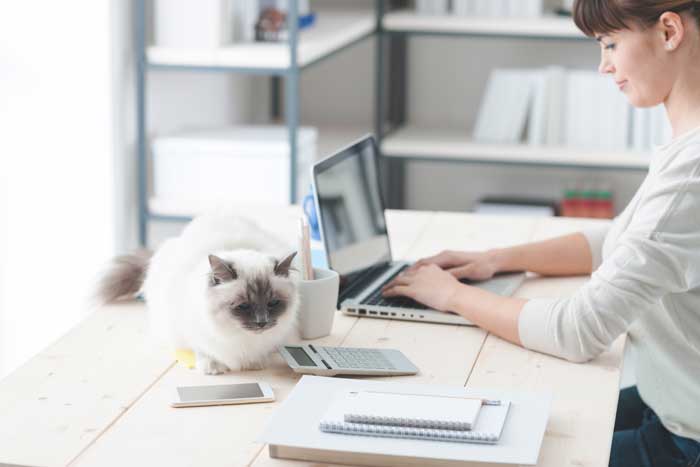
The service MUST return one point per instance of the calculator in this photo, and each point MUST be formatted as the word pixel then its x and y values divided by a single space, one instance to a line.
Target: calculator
pixel 331 361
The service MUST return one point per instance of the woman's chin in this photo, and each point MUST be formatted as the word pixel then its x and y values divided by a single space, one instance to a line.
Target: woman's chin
pixel 639 101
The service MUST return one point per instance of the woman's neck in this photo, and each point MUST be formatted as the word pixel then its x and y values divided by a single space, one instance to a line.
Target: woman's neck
pixel 683 102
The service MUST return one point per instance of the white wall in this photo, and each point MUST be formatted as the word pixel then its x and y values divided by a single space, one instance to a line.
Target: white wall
pixel 56 121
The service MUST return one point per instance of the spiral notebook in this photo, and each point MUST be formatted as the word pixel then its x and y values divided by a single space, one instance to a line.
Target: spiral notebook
pixel 412 410
pixel 415 416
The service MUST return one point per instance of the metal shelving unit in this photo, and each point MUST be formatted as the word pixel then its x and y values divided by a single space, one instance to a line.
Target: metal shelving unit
pixel 279 61
pixel 398 142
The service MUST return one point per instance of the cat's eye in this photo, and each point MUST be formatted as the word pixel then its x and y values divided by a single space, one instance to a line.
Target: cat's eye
pixel 243 307
pixel 273 303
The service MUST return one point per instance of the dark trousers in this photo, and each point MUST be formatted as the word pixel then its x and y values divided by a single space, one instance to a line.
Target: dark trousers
pixel 640 440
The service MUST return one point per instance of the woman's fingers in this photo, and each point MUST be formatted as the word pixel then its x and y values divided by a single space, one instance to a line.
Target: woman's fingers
pixel 462 272
pixel 398 290
pixel 398 280
pixel 443 259
pixel 473 272
pixel 415 266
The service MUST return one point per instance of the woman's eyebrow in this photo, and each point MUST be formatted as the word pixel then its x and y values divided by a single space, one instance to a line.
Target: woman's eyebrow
pixel 601 37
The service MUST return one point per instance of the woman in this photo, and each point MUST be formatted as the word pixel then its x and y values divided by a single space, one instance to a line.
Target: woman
pixel 646 266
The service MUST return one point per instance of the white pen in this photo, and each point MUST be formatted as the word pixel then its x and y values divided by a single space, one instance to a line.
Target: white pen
pixel 302 252
pixel 483 401
pixel 307 248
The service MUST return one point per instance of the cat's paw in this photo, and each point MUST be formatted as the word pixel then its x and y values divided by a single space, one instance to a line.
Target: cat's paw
pixel 255 366
pixel 209 366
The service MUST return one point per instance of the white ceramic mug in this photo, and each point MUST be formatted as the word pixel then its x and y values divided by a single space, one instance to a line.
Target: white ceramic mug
pixel 318 302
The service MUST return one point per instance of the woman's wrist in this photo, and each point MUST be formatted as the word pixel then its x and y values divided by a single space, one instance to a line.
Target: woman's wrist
pixel 456 299
pixel 499 259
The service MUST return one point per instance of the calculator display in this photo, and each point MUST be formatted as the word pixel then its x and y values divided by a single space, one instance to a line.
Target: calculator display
pixel 301 357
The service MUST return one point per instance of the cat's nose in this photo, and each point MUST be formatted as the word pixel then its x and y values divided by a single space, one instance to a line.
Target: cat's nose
pixel 261 324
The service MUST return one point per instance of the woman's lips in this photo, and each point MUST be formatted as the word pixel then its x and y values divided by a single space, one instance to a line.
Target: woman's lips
pixel 621 84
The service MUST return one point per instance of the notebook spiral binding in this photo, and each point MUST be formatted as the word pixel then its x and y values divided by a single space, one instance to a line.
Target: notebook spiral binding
pixel 407 422
pixel 407 432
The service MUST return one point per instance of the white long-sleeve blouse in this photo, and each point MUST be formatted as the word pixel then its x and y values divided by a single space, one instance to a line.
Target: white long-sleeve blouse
pixel 646 282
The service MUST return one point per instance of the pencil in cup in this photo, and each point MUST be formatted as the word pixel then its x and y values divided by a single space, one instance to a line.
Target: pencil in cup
pixel 305 249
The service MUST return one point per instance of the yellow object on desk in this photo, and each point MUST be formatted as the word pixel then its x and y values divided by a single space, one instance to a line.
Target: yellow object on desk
pixel 185 357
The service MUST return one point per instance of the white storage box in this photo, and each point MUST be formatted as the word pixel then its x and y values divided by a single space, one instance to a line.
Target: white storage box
pixel 245 164
pixel 193 23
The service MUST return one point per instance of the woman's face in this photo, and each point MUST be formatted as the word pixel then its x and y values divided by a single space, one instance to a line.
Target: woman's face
pixel 639 64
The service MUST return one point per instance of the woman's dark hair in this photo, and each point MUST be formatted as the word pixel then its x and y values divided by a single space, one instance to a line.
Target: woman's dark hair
pixel 606 16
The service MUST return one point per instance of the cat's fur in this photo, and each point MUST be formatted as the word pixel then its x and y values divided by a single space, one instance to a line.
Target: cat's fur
pixel 224 288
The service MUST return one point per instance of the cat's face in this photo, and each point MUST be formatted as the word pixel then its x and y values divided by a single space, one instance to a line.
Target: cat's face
pixel 252 292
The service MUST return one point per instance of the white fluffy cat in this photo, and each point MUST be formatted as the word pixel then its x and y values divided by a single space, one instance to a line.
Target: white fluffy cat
pixel 224 288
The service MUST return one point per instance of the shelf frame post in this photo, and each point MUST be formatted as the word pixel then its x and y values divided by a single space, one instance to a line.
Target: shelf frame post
pixel 291 97
pixel 140 44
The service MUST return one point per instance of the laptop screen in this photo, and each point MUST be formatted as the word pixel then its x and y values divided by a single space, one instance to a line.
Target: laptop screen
pixel 352 213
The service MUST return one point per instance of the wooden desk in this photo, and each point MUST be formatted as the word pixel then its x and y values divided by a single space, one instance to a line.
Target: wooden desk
pixel 100 395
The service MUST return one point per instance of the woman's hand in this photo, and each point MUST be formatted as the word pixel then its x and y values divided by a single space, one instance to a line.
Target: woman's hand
pixel 462 264
pixel 427 284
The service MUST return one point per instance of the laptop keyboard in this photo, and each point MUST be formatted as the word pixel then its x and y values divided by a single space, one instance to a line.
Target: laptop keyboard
pixel 366 280
pixel 377 299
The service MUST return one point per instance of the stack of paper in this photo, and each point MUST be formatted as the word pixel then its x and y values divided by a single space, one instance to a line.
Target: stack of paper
pixel 293 430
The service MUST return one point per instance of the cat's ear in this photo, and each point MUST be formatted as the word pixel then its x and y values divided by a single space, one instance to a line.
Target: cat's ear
pixel 282 267
pixel 221 271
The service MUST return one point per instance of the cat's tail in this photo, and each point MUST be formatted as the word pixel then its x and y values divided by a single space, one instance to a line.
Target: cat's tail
pixel 123 278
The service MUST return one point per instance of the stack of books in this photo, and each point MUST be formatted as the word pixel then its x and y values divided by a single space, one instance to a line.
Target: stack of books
pixel 487 8
pixel 559 107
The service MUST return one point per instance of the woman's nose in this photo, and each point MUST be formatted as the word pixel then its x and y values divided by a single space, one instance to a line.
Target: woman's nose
pixel 605 66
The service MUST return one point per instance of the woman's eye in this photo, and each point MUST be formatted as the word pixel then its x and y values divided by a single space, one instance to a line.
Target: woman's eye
pixel 273 303
pixel 610 47
pixel 243 307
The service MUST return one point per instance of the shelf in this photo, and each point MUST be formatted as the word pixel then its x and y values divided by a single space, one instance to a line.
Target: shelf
pixel 333 31
pixel 455 145
pixel 548 27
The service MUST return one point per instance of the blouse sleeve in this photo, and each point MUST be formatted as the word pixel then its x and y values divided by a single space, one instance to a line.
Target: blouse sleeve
pixel 596 237
pixel 658 254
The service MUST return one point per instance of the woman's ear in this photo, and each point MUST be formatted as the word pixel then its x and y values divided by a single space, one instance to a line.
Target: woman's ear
pixel 672 29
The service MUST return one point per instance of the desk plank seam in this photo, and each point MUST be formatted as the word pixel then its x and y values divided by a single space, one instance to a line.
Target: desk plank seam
pixel 121 414
pixel 478 354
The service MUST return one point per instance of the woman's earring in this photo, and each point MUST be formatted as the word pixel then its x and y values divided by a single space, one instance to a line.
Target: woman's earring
pixel 669 46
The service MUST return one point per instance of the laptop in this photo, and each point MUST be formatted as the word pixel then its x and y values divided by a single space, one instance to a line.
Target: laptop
pixel 353 227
